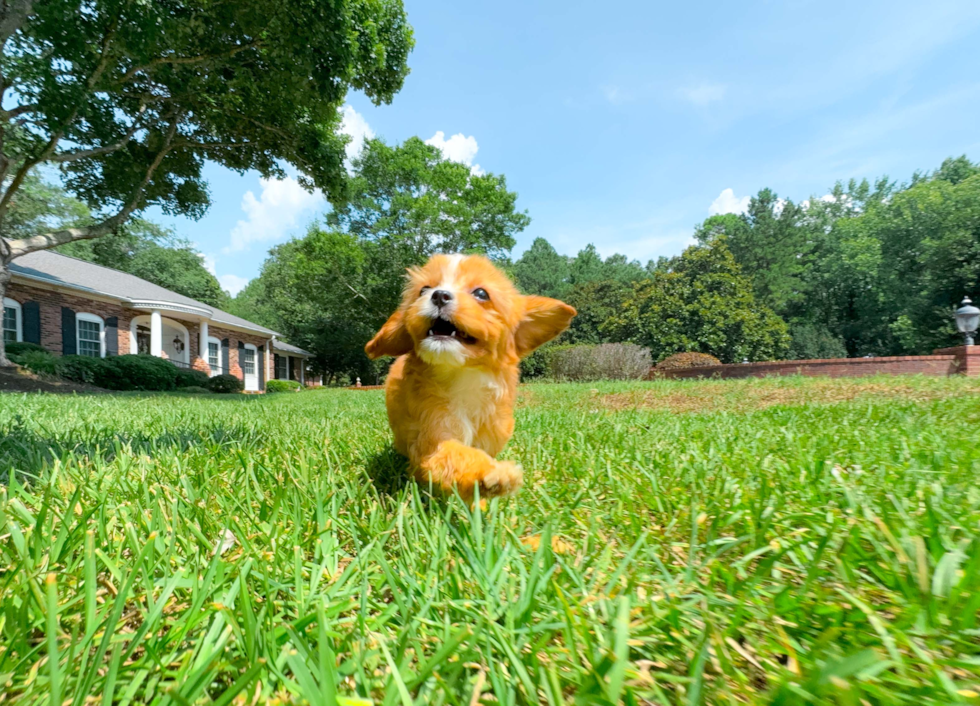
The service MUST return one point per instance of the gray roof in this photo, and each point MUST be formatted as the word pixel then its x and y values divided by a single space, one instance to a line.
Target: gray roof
pixel 288 348
pixel 84 276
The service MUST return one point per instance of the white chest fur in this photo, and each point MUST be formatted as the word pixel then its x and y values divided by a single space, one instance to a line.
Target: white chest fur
pixel 473 398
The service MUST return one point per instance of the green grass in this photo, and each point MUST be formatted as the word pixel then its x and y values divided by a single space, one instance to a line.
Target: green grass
pixel 793 542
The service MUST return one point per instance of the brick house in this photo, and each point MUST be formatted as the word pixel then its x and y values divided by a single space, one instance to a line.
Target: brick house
pixel 71 306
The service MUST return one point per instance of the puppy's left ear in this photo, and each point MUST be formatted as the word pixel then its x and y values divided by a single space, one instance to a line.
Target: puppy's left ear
pixel 544 319
pixel 393 338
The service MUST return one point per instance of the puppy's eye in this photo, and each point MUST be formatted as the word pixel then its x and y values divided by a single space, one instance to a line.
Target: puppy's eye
pixel 424 290
pixel 481 295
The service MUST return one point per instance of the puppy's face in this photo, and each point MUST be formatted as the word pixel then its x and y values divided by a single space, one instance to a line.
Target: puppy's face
pixel 461 310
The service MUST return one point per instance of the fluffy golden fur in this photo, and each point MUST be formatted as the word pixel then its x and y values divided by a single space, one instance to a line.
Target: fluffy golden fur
pixel 459 335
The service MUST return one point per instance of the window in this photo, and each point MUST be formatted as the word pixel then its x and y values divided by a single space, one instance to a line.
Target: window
pixel 214 356
pixel 282 367
pixel 12 321
pixel 248 361
pixel 91 335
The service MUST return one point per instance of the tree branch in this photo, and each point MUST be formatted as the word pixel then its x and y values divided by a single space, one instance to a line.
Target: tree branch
pixel 13 13
pixel 96 151
pixel 23 246
pixel 184 60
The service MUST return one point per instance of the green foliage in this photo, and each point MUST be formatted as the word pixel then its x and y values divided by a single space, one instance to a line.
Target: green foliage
pixel 607 361
pixel 194 390
pixel 542 271
pixel 536 365
pixel 225 384
pixel 40 362
pixel 250 85
pixel 137 372
pixel 703 304
pixel 736 552
pixel 596 303
pixel 283 386
pixel 191 378
pixel 80 368
pixel 16 348
pixel 687 360
pixel 811 341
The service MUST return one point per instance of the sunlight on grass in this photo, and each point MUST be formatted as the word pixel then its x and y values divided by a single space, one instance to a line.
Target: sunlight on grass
pixel 775 541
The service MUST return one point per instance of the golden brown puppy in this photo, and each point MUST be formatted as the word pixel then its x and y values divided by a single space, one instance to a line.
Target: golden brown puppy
pixel 460 332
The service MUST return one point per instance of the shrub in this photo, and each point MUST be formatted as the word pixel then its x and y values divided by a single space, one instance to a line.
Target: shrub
pixel 191 378
pixel 80 368
pixel 18 349
pixel 536 364
pixel 225 384
pixel 282 386
pixel 194 390
pixel 607 361
pixel 812 341
pixel 687 360
pixel 137 372
pixel 40 362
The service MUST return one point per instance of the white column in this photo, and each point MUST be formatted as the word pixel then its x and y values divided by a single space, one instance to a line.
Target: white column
pixel 203 343
pixel 302 371
pixel 156 334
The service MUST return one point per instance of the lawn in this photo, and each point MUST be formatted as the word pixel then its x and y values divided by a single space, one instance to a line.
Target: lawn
pixel 776 541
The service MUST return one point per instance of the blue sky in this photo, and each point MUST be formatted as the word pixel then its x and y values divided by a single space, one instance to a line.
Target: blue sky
pixel 625 123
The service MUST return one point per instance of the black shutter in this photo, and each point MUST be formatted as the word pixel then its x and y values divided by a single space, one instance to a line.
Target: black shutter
pixel 112 336
pixel 275 366
pixel 69 346
pixel 261 363
pixel 31 311
pixel 225 369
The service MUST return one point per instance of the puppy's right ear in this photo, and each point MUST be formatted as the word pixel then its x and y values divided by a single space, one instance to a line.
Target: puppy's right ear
pixel 392 339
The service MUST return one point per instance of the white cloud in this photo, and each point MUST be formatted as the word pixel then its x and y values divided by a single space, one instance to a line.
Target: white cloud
pixel 270 216
pixel 616 95
pixel 458 148
pixel 357 127
pixel 727 202
pixel 209 264
pixel 233 284
pixel 703 94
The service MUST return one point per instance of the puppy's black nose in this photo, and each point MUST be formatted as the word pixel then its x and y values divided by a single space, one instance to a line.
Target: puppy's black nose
pixel 441 297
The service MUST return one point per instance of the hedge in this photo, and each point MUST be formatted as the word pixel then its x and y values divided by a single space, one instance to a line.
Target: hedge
pixel 282 386
pixel 607 361
pixel 225 384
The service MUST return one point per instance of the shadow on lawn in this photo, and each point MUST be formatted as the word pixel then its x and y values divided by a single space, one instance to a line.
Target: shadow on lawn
pixel 389 471
pixel 28 452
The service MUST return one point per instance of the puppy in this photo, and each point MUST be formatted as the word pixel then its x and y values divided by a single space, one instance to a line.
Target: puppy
pixel 459 334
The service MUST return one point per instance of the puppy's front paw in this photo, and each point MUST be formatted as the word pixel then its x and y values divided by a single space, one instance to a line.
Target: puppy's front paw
pixel 504 478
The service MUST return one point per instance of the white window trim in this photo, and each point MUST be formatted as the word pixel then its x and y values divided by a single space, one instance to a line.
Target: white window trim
pixel 241 364
pixel 85 316
pixel 19 318
pixel 207 358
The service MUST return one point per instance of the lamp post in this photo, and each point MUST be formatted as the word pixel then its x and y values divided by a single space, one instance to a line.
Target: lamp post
pixel 967 319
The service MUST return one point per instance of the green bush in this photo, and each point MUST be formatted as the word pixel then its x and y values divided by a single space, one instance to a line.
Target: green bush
pixel 80 368
pixel 40 362
pixel 607 361
pixel 225 384
pixel 137 372
pixel 194 390
pixel 191 378
pixel 282 386
pixel 812 341
pixel 18 349
pixel 536 364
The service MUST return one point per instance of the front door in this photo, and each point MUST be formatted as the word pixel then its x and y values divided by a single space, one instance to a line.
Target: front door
pixel 143 339
pixel 250 368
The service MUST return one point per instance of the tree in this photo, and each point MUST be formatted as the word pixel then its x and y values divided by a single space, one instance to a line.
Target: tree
pixel 331 289
pixel 772 246
pixel 596 303
pixel 542 271
pixel 702 304
pixel 129 100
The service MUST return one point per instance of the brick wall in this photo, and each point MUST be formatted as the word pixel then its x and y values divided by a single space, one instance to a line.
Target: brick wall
pixel 945 362
pixel 50 303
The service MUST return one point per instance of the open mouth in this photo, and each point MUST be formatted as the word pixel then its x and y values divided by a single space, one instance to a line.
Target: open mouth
pixel 443 328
